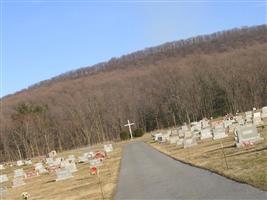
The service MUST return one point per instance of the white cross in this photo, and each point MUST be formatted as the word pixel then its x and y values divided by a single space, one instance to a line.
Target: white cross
pixel 130 130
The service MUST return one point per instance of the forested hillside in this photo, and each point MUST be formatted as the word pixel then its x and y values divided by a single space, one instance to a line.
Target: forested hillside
pixel 158 87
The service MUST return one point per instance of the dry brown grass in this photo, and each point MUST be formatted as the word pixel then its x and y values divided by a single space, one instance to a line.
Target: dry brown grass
pixel 82 186
pixel 247 165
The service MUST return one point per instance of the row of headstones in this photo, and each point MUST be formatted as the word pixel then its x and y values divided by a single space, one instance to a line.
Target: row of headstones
pixel 244 132
pixel 63 172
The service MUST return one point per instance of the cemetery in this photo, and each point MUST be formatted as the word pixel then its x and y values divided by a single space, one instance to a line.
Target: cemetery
pixel 224 146
pixel 61 176
pixel 234 147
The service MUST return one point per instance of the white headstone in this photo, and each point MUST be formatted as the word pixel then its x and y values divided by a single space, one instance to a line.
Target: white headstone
pixel 189 142
pixel 219 133
pixel 71 166
pixel 180 142
pixel 264 112
pixel 187 134
pixel 205 123
pixel 173 139
pixel 196 126
pixel 248 116
pixel 50 161
pixel 248 133
pixel 40 168
pixel 19 173
pixel 3 191
pixel 83 158
pixel 257 118
pixel 95 162
pixel 108 148
pixel 63 174
pixel 3 178
pixel 227 123
pixel 184 128
pixel 2 167
pixel 18 181
pixel 52 154
pixel 20 163
pixel 157 136
pixel 239 119
pixel 205 133
pixel 28 162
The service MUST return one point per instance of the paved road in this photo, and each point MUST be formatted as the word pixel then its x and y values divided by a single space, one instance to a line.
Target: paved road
pixel 147 174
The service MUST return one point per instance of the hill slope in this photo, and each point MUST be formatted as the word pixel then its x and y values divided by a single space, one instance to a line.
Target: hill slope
pixel 157 87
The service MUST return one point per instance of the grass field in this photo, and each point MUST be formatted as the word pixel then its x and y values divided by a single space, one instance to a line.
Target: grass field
pixel 82 186
pixel 247 165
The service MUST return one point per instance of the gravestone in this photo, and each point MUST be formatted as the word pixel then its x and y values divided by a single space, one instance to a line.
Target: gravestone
pixel 248 116
pixel 57 161
pixel 257 118
pixel 3 178
pixel 52 154
pixel 18 181
pixel 264 112
pixel 184 128
pixel 40 168
pixel 180 142
pixel 83 158
pixel 108 148
pixel 196 126
pixel 248 133
pixel 205 123
pixel 173 139
pixel 50 161
pixel 71 158
pixel 189 142
pixel 239 119
pixel 31 174
pixel 20 163
pixel 205 133
pixel 157 136
pixel 219 133
pixel 227 123
pixel 19 173
pixel 180 133
pixel 95 162
pixel 187 134
pixel 63 174
pixel 2 167
pixel 71 166
pixel 28 162
pixel 3 191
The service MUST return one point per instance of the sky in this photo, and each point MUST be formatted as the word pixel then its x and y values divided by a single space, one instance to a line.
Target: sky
pixel 42 39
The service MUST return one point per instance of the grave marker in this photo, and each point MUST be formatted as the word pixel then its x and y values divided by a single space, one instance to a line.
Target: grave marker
pixel 40 168
pixel 189 142
pixel 18 181
pixel 3 191
pixel 2 167
pixel 63 174
pixel 28 162
pixel 3 178
pixel 205 133
pixel 19 173
pixel 95 162
pixel 219 133
pixel 245 134
pixel 108 148
pixel 257 118
pixel 20 163
pixel 264 112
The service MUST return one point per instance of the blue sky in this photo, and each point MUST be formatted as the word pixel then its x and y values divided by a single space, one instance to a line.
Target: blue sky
pixel 42 39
